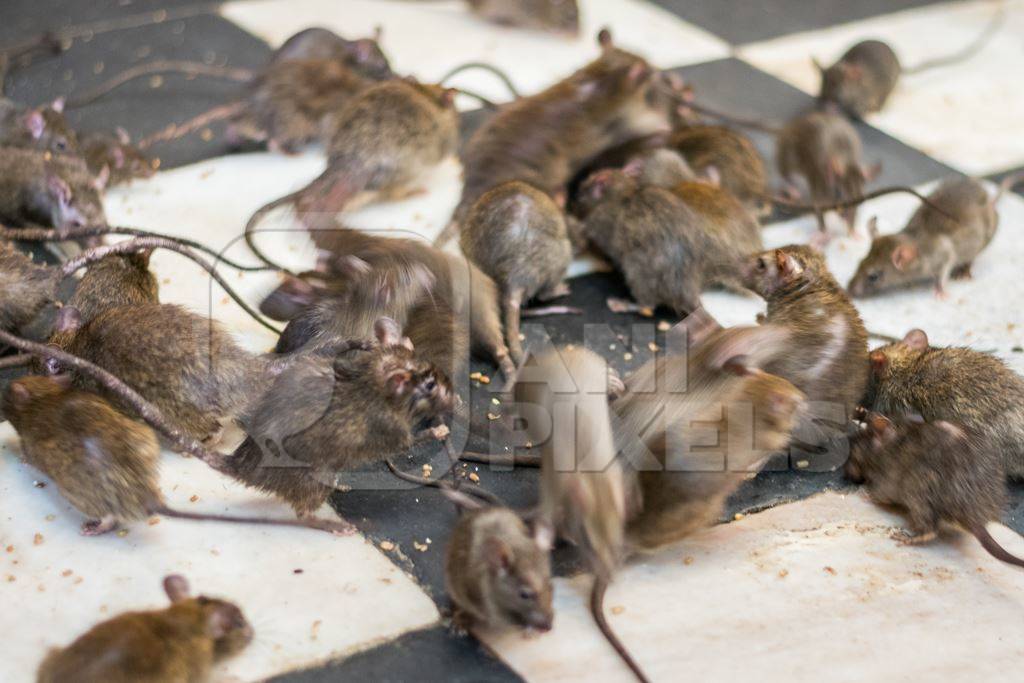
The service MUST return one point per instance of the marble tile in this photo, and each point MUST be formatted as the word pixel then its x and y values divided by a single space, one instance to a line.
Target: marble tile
pixel 965 114
pixel 533 59
pixel 787 594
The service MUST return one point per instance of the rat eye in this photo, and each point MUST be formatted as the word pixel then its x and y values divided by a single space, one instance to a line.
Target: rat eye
pixel 761 263
pixel 527 594
pixel 874 276
pixel 61 144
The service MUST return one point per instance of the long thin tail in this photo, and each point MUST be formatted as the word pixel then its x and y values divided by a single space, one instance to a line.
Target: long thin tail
pixel 734 120
pixel 157 67
pixel 331 526
pixel 972 49
pixel 856 201
pixel 481 493
pixel 597 610
pixel 502 76
pixel 178 130
pixel 1007 183
pixel 250 226
pixel 994 549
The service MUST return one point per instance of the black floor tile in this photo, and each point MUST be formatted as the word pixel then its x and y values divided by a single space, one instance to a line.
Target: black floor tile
pixel 743 21
pixel 433 655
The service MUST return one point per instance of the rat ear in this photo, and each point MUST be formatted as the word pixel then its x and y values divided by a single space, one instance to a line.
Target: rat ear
pixel 543 535
pixel 638 73
pixel 119 159
pixel 176 587
pixel 58 104
pixel 387 331
pixel 903 256
pixel 364 50
pixel 69 319
pixel 634 168
pixel 788 264
pixel 34 123
pixel 122 136
pixel 916 340
pixel 101 179
pixel 873 227
pixel 18 394
pixel 879 361
pixel 59 188
pixel 497 555
pixel 604 39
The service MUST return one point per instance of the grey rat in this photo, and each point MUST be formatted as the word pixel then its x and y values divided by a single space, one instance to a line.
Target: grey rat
pixel 863 78
pixel 670 243
pixel 825 150
pixel 937 473
pixel 378 145
pixel 333 411
pixel 178 643
pixel 933 247
pixel 50 190
pixel 104 463
pixel 967 388
pixel 517 235
pixel 546 138
pixel 829 342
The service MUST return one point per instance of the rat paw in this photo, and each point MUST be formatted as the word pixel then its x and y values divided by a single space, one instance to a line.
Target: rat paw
pixel 98 527
pixel 556 292
pixel 904 537
pixel 617 305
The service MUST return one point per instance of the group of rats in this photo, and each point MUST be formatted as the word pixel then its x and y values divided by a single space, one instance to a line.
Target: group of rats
pixel 611 160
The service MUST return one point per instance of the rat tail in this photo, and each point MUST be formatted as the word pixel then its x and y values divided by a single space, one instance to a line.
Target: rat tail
pixel 972 49
pixel 855 201
pixel 1007 184
pixel 597 610
pixel 339 527
pixel 157 67
pixel 502 76
pixel 178 130
pixel 994 549
pixel 250 226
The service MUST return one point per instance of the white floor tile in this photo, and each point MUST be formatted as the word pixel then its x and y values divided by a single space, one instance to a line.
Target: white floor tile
pixel 966 114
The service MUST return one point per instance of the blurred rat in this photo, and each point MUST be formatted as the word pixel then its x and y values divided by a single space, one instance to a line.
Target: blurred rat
pixel 41 128
pixel 827 360
pixel 937 473
pixel 26 287
pixel 175 644
pixel 967 388
pixel 497 573
pixel 51 190
pixel 103 463
pixel 862 79
pixel 517 234
pixel 115 153
pixel 333 411
pixel 562 16
pixel 933 247
pixel 544 139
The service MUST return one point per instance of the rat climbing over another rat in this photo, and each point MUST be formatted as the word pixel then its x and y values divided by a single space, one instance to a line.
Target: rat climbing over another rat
pixel 967 388
pixel 171 645
pixel 940 241
pixel 937 472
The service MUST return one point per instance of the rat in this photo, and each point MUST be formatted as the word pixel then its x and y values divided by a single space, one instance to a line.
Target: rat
pixel 968 388
pixel 41 128
pixel 862 79
pixel 178 643
pixel 824 149
pixel 669 243
pixel 334 411
pixel 104 463
pixel 115 153
pixel 362 55
pixel 497 573
pixel 546 138
pixel 561 16
pixel 933 247
pixel 828 338
pixel 454 307
pixel 378 145
pixel 937 473
pixel 517 235
pixel 26 287
pixel 50 190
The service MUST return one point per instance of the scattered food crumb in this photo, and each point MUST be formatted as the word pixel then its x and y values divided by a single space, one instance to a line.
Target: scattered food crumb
pixel 627 356
pixel 39 484
pixel 206 135
pixel 646 312
pixel 783 573
pixel 830 570
pixel 495 402
pixel 570 347
pixel 66 572
pixel 688 560
pixel 314 629
pixel 121 533
pixel 474 477
pixel 738 516
pixel 9 548
pixel 78 580
pixel 492 417
pixel 422 547
pixel 225 301
pixel 663 326
pixel 167 281
pixel 193 498
pixel 10 578
pixel 617 609
pixel 652 346
pixel 522 337
pixel 297 571
pixel 51 517
pixel 37 539
pixel 611 347
pixel 214 552
pixel 41 588
pixel 156 82
pixel 427 469
pixel 387 545
pixel 153 521
pixel 802 464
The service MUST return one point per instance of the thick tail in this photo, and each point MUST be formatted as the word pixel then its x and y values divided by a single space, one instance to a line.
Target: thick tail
pixel 994 549
pixel 1007 184
pixel 597 610
pixel 331 526
pixel 502 76
pixel 178 130
pixel 157 67
pixel 993 25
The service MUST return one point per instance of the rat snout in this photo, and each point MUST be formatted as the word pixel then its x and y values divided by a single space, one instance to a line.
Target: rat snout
pixel 541 620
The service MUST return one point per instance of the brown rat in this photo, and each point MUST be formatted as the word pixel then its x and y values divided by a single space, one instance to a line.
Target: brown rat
pixel 103 463
pixel 115 153
pixel 967 388
pixel 562 16
pixel 669 243
pixel 497 573
pixel 829 344
pixel 933 247
pixel 333 411
pixel 937 473
pixel 546 138
pixel 731 156
pixel 824 149
pixel 378 145
pixel 41 128
pixel 50 190
pixel 178 643
pixel 517 235
pixel 26 287
pixel 862 79
pixel 362 55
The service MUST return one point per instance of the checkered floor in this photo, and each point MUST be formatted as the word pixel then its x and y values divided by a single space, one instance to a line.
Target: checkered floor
pixel 803 578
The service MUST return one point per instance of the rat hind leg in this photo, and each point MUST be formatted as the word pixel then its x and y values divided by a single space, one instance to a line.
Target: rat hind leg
pixel 97 527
